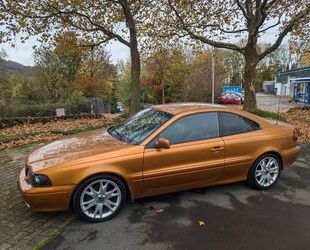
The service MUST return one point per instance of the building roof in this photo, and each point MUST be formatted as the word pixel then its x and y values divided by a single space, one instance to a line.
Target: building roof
pixel 284 77
pixel 300 79
pixel 176 108
pixel 295 70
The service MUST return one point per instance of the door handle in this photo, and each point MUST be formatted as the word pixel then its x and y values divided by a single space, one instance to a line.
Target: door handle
pixel 217 148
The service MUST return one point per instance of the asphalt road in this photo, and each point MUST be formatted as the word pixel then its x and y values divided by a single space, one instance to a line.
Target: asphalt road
pixel 235 217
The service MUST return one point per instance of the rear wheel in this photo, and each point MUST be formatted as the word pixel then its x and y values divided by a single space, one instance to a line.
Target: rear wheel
pixel 99 198
pixel 265 172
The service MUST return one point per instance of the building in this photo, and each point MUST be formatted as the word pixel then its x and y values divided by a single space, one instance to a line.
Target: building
pixel 294 83
pixel 268 87
pixel 301 90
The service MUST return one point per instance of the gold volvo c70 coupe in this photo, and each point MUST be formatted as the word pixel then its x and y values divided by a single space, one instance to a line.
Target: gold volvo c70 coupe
pixel 165 148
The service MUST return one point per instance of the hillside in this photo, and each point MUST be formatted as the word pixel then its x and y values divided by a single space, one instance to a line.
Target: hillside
pixel 14 67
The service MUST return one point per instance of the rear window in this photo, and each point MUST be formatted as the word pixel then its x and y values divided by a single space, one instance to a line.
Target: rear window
pixel 231 124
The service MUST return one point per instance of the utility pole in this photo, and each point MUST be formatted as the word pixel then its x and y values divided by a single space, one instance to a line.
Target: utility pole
pixel 92 61
pixel 213 75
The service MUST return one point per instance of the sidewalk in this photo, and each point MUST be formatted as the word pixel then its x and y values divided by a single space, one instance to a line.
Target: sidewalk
pixel 20 228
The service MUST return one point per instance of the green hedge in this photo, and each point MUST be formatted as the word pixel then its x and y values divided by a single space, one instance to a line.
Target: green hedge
pixel 43 109
pixel 12 121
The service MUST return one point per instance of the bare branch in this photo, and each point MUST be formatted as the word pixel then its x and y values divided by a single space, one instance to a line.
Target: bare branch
pixel 242 9
pixel 231 31
pixel 107 32
pixel 94 44
pixel 264 10
pixel 201 38
pixel 289 27
pixel 272 26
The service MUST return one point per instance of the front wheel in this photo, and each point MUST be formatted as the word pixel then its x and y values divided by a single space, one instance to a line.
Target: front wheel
pixel 265 172
pixel 99 198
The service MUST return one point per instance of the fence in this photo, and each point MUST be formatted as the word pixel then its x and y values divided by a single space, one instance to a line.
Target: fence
pixel 21 108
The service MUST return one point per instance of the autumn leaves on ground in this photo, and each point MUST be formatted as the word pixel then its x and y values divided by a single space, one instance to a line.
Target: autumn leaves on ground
pixel 300 119
pixel 55 129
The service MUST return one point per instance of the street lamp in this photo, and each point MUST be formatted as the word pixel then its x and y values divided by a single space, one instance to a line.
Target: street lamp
pixel 212 72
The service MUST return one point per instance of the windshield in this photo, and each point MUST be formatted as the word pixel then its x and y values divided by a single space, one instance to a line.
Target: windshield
pixel 140 126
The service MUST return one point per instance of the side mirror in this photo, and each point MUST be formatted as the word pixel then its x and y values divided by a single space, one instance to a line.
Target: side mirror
pixel 163 143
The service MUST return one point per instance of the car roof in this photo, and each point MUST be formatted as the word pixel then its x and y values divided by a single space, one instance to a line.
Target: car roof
pixel 231 92
pixel 177 108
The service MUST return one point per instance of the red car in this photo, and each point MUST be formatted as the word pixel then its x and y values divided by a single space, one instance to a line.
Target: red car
pixel 230 98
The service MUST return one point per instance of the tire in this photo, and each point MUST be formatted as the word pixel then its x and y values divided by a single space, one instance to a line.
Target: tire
pixel 99 198
pixel 263 177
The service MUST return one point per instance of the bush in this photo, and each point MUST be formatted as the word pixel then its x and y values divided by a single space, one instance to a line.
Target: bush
pixel 268 114
pixel 12 121
pixel 72 106
pixel 5 110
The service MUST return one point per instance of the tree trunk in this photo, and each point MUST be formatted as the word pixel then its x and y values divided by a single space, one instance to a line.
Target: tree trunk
pixel 135 105
pixel 249 75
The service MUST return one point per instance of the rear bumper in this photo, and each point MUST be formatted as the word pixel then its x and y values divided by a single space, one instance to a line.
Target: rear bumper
pixel 44 199
pixel 289 156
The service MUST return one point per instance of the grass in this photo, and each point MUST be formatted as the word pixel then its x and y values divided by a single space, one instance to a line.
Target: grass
pixel 9 138
pixel 268 114
pixel 54 235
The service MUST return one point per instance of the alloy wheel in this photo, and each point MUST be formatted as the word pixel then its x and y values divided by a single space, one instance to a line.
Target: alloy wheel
pixel 100 199
pixel 267 171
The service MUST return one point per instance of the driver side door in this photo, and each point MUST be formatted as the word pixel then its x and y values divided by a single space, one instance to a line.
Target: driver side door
pixel 195 157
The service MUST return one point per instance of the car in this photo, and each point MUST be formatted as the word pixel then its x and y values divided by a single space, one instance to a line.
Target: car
pixel 162 149
pixel 230 98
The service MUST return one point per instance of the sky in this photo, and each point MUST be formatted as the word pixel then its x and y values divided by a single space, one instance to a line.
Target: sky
pixel 23 52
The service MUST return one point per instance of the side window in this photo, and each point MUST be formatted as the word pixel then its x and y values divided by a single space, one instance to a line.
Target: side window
pixel 191 128
pixel 234 124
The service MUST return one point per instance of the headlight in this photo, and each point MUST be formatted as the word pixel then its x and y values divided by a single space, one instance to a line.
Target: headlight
pixel 38 180
pixel 41 180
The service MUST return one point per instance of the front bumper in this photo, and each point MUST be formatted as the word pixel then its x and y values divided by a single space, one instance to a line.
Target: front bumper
pixel 44 199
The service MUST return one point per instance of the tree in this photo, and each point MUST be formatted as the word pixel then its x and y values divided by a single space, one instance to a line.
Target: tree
pixel 234 65
pixel 2 53
pixel 301 47
pixel 165 73
pixel 198 83
pixel 96 21
pixel 97 75
pixel 57 65
pixel 174 75
pixel 219 23
pixel 156 67
pixel 305 58
pixel 65 69
pixel 3 77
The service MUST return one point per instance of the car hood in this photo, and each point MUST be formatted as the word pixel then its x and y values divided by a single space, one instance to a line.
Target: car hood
pixel 74 147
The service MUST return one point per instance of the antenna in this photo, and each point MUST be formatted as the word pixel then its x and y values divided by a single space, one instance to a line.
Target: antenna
pixel 280 104
pixel 278 109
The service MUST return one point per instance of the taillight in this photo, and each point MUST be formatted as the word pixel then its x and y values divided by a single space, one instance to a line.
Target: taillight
pixel 295 135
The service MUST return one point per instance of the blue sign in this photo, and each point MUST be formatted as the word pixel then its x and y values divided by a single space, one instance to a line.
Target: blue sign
pixel 236 89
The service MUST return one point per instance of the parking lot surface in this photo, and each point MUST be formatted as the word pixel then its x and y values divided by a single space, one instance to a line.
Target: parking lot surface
pixel 224 217
pixel 273 102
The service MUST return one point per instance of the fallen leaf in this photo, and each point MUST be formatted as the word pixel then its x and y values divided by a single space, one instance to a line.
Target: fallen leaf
pixel 201 223
pixel 159 210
